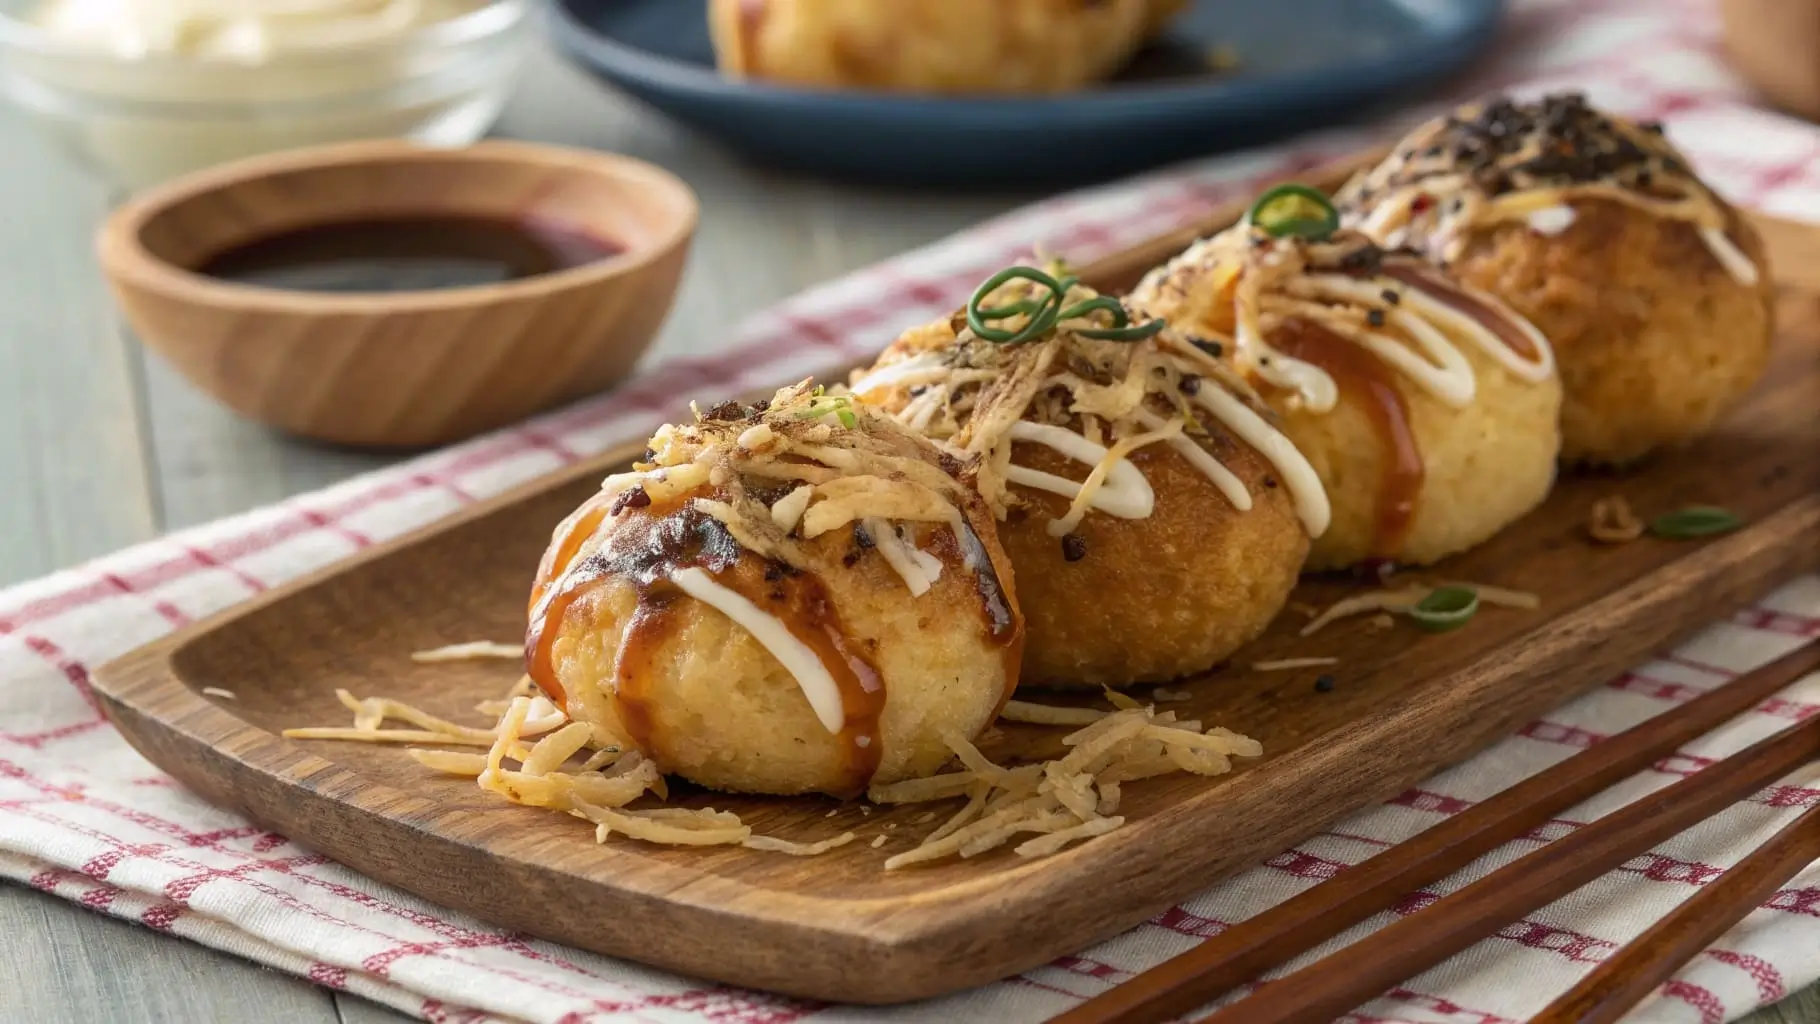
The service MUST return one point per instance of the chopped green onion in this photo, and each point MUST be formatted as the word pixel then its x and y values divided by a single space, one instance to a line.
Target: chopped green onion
pixel 1445 608
pixel 1694 521
pixel 1294 210
pixel 846 417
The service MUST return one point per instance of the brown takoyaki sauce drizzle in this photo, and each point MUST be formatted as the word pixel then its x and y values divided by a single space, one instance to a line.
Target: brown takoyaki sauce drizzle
pixel 1493 320
pixel 1359 373
pixel 650 624
pixel 1005 628
pixel 752 16
pixel 643 550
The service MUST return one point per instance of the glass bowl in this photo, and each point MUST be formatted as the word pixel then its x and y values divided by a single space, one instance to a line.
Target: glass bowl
pixel 142 118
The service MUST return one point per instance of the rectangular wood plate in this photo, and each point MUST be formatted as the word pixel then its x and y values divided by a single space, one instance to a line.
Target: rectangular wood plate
pixel 838 927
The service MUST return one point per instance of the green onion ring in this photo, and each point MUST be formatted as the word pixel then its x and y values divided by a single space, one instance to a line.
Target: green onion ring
pixel 1694 521
pixel 1445 608
pixel 1041 320
pixel 1286 222
pixel 1046 312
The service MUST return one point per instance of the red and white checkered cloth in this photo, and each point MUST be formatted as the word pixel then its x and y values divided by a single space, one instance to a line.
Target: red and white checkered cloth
pixel 84 817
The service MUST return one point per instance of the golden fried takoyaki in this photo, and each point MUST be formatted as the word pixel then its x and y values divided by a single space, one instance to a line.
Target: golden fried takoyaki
pixel 793 597
pixel 1155 517
pixel 1652 289
pixel 1428 409
pixel 932 46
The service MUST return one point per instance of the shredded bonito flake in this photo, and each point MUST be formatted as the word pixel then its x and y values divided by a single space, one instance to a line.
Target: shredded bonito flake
pixel 1283 664
pixel 598 790
pixel 1405 598
pixel 1064 800
pixel 1612 522
pixel 473 650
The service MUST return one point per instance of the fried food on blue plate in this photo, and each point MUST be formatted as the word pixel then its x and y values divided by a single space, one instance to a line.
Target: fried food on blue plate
pixel 1653 289
pixel 1154 514
pixel 797 596
pixel 933 46
pixel 1429 409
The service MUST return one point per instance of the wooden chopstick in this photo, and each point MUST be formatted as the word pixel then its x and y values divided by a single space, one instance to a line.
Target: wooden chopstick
pixel 1325 990
pixel 1622 981
pixel 1251 947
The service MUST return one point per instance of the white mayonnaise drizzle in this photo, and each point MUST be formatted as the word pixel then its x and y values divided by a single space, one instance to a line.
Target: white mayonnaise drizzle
pixel 1488 341
pixel 1125 494
pixel 919 569
pixel 1222 478
pixel 1318 390
pixel 1551 220
pixel 797 658
pixel 923 369
pixel 1451 381
pixel 1732 258
pixel 1304 483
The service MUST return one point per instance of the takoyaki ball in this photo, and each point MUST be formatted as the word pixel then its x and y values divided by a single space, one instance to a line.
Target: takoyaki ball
pixel 793 597
pixel 932 46
pixel 1155 517
pixel 1429 410
pixel 1654 291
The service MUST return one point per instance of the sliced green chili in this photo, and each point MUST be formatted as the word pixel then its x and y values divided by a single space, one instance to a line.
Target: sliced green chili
pixel 1694 521
pixel 1294 210
pixel 1445 608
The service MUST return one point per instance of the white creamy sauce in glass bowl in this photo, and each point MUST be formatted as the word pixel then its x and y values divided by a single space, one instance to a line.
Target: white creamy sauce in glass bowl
pixel 149 89
pixel 240 30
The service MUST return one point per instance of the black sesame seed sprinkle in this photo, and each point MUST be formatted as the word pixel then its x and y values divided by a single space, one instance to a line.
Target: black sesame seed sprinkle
pixel 1323 684
pixel 1391 295
pixel 861 538
pixel 1190 383
pixel 1270 481
pixel 1074 547
pixel 1375 317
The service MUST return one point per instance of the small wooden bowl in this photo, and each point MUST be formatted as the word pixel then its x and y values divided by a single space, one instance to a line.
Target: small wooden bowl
pixel 1776 45
pixel 402 369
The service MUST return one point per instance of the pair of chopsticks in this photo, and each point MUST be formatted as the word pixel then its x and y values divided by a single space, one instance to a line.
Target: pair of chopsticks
pixel 1332 987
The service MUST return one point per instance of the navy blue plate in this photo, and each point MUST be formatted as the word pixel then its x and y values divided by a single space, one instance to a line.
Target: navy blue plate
pixel 1302 64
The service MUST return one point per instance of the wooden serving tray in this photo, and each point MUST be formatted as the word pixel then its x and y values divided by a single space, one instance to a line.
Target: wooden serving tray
pixel 838 927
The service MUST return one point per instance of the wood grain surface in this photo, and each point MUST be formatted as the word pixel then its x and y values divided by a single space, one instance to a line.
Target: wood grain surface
pixel 102 445
pixel 838 927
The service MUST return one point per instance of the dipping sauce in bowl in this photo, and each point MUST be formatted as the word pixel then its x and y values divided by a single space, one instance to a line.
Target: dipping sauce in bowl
pixel 408 253
pixel 387 294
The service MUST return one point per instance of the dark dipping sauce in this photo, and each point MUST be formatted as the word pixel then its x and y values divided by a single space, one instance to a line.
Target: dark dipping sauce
pixel 408 254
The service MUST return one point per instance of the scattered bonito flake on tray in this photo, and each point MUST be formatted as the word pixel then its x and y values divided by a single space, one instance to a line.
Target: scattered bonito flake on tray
pixel 1611 521
pixel 1405 598
pixel 473 650
pixel 1071 798
pixel 1061 801
pixel 1284 664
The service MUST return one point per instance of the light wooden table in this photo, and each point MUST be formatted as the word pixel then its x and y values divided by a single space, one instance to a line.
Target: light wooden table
pixel 101 447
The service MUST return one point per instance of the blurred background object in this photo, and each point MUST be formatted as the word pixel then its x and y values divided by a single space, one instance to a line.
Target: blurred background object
pixel 1776 45
pixel 932 46
pixel 1223 74
pixel 143 90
